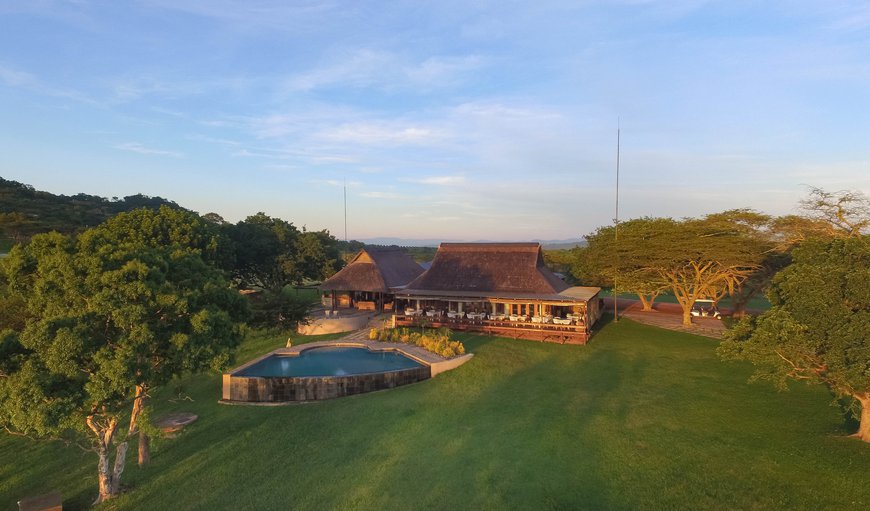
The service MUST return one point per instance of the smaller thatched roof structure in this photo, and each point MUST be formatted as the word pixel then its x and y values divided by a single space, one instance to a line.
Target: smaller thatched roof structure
pixel 375 270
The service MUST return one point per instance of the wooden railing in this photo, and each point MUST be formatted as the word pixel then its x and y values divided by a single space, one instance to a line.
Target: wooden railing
pixel 502 327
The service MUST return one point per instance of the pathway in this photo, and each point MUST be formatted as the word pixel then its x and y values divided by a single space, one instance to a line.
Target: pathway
pixel 666 315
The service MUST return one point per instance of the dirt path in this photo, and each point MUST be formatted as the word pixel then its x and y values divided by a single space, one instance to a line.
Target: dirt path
pixel 666 315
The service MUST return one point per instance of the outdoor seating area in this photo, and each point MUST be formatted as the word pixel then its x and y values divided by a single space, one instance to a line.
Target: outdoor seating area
pixel 570 328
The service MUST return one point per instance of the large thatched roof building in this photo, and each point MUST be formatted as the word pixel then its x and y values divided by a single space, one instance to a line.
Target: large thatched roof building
pixel 371 278
pixel 503 288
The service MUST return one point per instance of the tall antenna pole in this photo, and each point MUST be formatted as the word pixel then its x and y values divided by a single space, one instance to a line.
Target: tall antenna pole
pixel 345 212
pixel 616 231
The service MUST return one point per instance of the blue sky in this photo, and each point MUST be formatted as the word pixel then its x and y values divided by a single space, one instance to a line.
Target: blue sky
pixel 447 119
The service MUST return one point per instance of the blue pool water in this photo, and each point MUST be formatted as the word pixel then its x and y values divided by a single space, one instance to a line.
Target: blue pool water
pixel 329 361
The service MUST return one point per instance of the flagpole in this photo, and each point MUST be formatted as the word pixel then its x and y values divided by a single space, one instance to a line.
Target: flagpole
pixel 616 231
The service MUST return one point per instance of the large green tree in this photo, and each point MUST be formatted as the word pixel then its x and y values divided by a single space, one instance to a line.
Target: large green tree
pixel 264 252
pixel 271 253
pixel 693 258
pixel 104 324
pixel 621 262
pixel 818 328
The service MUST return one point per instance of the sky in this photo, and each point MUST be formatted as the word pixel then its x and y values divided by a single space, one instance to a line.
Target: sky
pixel 459 120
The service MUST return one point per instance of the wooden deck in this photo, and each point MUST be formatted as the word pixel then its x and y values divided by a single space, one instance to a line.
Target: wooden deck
pixel 544 332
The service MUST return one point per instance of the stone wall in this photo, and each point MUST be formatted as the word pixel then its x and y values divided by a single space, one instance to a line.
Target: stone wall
pixel 288 389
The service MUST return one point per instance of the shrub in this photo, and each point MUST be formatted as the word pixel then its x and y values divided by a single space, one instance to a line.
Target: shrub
pixel 436 341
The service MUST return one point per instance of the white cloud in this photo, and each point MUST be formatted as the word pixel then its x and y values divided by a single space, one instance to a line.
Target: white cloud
pixel 387 71
pixel 375 133
pixel 136 147
pixel 442 180
pixel 381 195
pixel 24 80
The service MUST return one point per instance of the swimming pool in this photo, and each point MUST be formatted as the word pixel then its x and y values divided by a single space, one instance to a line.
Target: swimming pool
pixel 318 373
pixel 330 361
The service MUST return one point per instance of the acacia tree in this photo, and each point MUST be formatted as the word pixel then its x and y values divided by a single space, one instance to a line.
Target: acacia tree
pixel 817 328
pixel 622 263
pixel 837 214
pixel 707 258
pixel 693 258
pixel 104 325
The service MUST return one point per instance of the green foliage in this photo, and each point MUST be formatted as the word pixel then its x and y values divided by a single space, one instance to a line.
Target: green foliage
pixel 817 328
pixel 271 253
pixel 160 228
pixel 283 308
pixel 126 306
pixel 27 211
pixel 708 257
pixel 437 341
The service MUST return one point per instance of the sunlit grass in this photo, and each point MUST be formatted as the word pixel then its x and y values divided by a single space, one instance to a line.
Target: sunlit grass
pixel 641 418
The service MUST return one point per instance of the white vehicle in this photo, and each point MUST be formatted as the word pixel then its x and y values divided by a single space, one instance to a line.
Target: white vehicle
pixel 705 309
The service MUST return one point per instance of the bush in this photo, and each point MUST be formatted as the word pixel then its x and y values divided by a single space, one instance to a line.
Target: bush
pixel 436 341
pixel 281 308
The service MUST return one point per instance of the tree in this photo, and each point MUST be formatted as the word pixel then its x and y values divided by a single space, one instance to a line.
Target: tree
pixel 264 250
pixel 693 258
pixel 708 258
pixel 13 225
pixel 162 227
pixel 271 253
pixel 622 263
pixel 817 328
pixel 842 214
pixel 317 256
pixel 104 325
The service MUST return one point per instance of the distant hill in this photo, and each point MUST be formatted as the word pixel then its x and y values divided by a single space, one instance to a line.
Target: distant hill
pixel 25 211
pixel 406 242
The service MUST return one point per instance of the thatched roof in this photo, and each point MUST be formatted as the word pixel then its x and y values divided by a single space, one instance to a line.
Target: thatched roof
pixel 490 268
pixel 375 269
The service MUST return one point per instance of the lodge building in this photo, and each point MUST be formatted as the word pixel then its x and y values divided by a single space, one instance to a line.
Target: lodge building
pixel 499 288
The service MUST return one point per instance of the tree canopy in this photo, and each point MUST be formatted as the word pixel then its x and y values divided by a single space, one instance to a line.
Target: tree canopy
pixel 107 317
pixel 693 258
pixel 817 328
pixel 271 253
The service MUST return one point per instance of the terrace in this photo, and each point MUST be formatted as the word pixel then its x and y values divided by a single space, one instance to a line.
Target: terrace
pixel 551 322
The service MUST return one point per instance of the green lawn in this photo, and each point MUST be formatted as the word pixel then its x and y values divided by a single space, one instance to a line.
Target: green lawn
pixel 641 418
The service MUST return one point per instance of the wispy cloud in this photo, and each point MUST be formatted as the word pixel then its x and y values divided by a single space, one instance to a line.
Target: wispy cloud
pixel 441 180
pixel 27 81
pixel 375 133
pixel 380 195
pixel 136 147
pixel 385 70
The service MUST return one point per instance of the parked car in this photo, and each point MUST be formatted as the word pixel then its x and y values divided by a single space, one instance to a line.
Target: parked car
pixel 705 309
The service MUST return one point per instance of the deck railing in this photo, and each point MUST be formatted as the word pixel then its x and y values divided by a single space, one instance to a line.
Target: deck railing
pixel 483 324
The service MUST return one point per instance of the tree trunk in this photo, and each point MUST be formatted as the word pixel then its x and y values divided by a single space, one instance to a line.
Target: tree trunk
pixel 107 485
pixel 144 449
pixel 864 427
pixel 687 316
pixel 647 305
pixel 144 440
pixel 109 481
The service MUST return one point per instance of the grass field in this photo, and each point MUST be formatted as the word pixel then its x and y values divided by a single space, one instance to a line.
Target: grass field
pixel 641 418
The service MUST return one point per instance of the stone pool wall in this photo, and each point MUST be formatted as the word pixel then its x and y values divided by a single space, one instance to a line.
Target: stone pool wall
pixel 275 389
